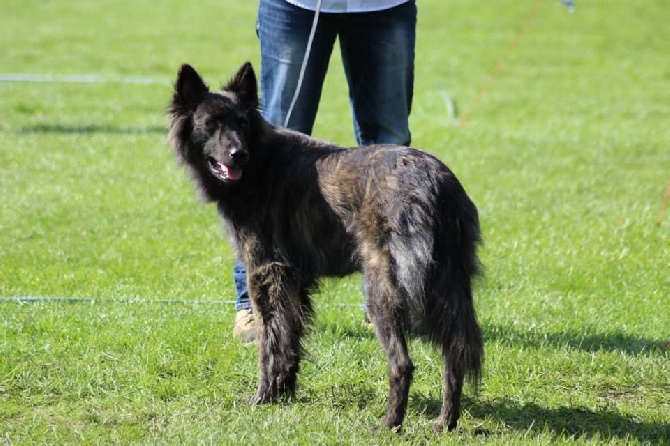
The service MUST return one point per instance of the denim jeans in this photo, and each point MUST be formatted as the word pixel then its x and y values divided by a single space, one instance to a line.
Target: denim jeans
pixel 377 50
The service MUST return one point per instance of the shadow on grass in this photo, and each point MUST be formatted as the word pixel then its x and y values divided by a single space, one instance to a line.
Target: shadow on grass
pixel 571 421
pixel 614 342
pixel 89 129
pixel 575 422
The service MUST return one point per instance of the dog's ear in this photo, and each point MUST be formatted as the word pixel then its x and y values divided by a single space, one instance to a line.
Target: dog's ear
pixel 243 84
pixel 189 90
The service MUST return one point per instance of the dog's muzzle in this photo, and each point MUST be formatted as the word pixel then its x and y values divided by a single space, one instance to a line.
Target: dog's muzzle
pixel 225 172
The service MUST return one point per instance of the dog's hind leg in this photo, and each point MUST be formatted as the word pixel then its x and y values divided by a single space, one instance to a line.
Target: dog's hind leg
pixel 451 396
pixel 386 308
pixel 283 309
pixel 454 329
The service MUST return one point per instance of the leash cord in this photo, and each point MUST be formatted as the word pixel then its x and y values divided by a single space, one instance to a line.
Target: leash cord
pixel 664 204
pixel 304 62
pixel 500 63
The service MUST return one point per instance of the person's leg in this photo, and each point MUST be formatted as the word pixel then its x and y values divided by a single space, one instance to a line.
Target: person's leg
pixel 242 301
pixel 283 30
pixel 245 327
pixel 378 57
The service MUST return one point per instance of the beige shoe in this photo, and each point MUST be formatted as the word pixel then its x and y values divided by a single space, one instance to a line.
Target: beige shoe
pixel 367 323
pixel 245 326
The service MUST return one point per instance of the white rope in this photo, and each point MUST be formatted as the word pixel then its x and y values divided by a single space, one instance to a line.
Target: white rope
pixel 136 300
pixel 80 79
pixel 304 62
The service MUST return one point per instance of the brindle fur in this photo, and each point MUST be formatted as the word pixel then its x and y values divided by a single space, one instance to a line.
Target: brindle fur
pixel 305 208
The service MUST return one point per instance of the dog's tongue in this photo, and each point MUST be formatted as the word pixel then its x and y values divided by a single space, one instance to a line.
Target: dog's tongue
pixel 233 173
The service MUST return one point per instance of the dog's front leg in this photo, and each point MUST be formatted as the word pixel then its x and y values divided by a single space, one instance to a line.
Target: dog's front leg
pixel 275 295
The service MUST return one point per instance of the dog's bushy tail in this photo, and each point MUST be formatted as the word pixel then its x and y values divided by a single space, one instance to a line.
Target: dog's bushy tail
pixel 449 307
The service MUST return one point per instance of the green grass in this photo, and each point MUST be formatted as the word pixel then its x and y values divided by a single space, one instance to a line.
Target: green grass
pixel 567 157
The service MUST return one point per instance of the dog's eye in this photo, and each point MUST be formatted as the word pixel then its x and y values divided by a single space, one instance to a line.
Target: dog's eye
pixel 211 125
pixel 244 122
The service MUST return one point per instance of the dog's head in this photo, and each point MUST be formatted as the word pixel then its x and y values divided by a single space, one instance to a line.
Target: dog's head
pixel 211 131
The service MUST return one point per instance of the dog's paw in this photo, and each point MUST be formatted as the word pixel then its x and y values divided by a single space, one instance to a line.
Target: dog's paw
pixel 439 425
pixel 384 428
pixel 260 398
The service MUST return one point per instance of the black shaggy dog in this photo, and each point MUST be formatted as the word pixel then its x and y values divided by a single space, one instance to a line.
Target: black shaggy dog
pixel 297 209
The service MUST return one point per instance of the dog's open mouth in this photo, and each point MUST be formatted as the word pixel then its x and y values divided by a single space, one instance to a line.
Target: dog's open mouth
pixel 223 172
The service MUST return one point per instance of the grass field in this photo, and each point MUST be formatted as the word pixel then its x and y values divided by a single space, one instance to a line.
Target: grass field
pixel 566 153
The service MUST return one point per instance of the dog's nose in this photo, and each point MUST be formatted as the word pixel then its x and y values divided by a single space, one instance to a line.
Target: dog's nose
pixel 240 156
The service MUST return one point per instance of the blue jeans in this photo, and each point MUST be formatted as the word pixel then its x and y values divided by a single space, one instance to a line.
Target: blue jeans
pixel 377 50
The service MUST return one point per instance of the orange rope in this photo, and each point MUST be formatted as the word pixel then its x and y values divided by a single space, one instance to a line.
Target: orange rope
pixel 661 214
pixel 501 62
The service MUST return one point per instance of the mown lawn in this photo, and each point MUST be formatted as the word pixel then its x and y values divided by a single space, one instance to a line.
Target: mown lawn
pixel 115 282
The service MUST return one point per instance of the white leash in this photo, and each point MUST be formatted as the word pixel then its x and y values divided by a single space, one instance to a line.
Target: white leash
pixel 304 62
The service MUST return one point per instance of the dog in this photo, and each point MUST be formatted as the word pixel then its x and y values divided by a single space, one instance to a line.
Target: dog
pixel 297 209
